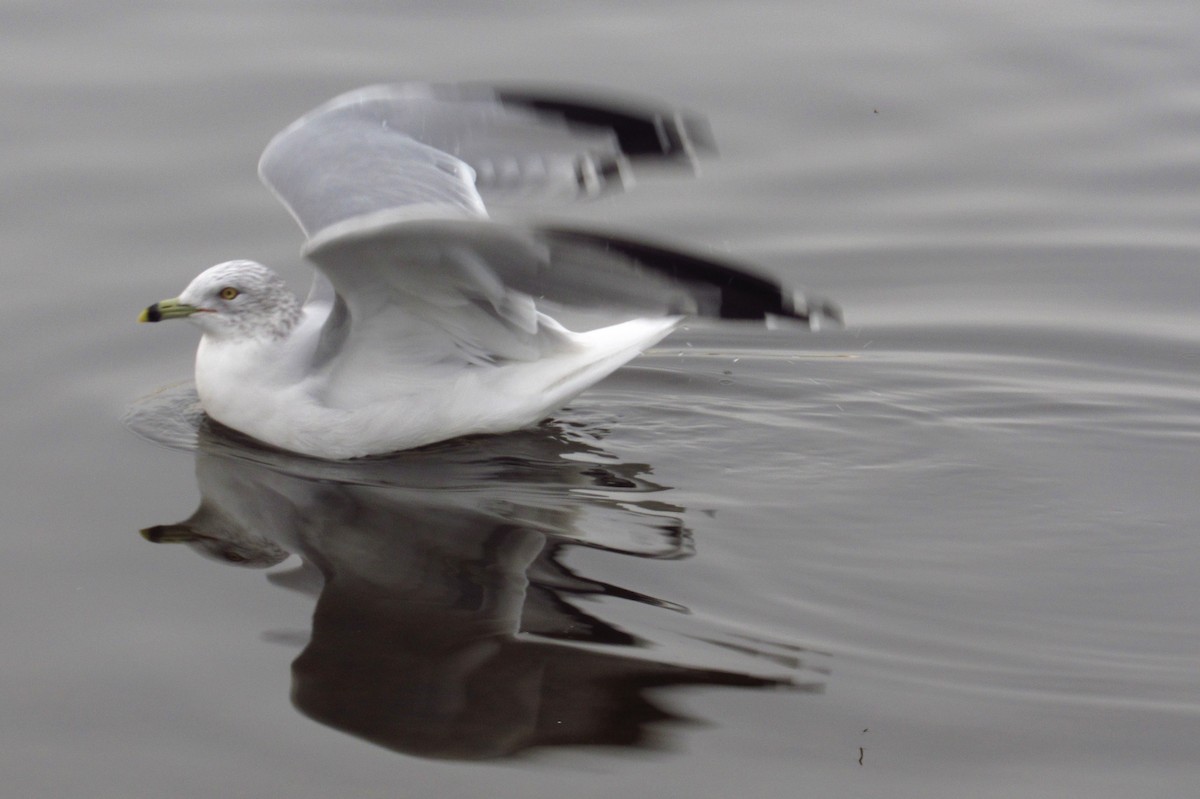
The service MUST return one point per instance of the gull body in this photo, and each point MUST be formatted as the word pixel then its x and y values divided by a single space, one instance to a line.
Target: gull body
pixel 426 319
pixel 254 372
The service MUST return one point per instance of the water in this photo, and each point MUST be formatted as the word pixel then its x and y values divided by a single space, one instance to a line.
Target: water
pixel 955 539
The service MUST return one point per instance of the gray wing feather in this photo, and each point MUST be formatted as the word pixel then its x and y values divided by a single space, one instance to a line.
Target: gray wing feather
pixel 437 277
pixel 432 149
pixel 481 279
pixel 355 156
pixel 386 183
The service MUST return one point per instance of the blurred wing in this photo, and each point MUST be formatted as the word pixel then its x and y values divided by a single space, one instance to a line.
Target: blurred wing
pixel 431 150
pixel 433 284
pixel 356 155
pixel 470 285
pixel 386 183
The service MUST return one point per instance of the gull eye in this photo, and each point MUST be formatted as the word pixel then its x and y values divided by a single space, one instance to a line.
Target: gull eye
pixel 227 293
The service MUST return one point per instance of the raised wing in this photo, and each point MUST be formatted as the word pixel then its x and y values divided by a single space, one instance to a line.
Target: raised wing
pixel 429 150
pixel 475 281
pixel 388 182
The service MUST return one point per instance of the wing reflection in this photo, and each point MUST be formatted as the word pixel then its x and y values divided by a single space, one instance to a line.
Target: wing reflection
pixel 448 622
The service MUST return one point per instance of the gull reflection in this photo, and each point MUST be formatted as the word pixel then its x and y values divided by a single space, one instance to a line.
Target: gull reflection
pixel 448 621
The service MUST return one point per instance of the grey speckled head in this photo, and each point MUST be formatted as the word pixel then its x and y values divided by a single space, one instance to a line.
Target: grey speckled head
pixel 243 299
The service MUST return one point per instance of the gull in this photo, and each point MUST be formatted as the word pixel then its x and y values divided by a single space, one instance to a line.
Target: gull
pixel 428 320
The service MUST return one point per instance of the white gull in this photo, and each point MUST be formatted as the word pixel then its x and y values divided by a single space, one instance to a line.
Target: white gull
pixel 426 319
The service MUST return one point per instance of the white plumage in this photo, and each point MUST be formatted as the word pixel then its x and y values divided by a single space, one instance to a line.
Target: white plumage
pixel 425 320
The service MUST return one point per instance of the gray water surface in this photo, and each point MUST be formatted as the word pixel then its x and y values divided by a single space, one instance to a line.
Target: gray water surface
pixel 947 550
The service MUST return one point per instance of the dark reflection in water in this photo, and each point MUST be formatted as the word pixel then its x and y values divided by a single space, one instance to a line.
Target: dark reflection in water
pixel 447 622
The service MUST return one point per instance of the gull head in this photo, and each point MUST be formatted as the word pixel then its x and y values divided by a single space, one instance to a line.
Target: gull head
pixel 236 299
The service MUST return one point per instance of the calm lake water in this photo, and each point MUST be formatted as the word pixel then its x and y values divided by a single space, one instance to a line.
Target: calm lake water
pixel 949 550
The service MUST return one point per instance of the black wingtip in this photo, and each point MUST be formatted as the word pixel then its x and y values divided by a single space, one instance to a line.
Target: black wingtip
pixel 642 130
pixel 739 293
